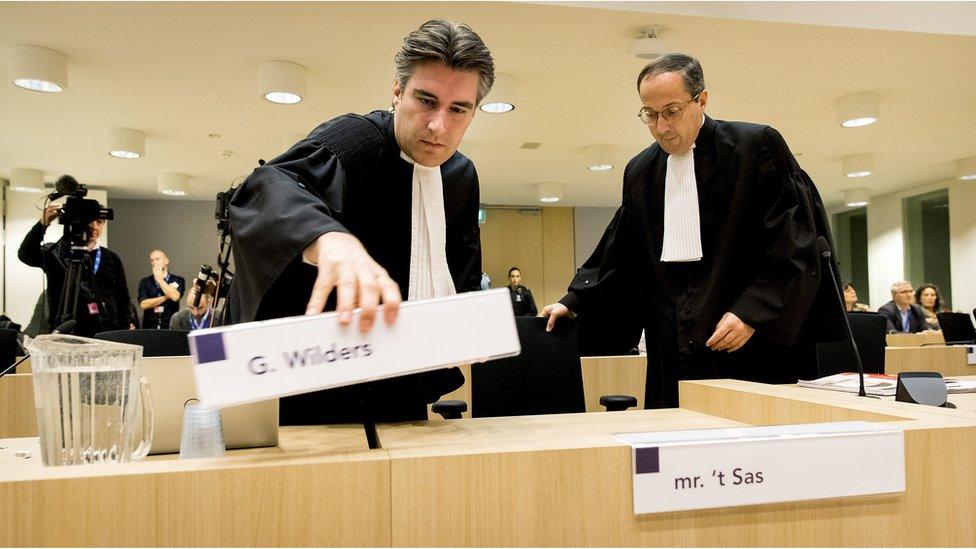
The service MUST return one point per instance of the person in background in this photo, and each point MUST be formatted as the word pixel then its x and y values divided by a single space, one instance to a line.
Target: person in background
pixel 193 317
pixel 902 313
pixel 928 297
pixel 522 302
pixel 850 300
pixel 160 292
pixel 102 292
pixel 485 281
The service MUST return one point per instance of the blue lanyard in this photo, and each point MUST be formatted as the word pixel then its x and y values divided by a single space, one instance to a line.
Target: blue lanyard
pixel 98 260
pixel 204 322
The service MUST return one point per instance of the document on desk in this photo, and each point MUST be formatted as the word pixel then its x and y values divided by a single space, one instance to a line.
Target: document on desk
pixel 274 358
pixel 710 468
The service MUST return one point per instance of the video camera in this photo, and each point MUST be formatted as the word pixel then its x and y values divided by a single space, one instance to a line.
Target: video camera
pixel 78 211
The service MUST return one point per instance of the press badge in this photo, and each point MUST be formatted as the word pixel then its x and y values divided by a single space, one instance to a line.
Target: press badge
pixel 93 308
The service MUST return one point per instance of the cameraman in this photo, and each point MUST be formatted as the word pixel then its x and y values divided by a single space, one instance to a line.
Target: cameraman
pixel 103 296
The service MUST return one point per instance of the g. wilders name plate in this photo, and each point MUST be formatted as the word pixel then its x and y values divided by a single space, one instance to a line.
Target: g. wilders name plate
pixel 274 358
pixel 707 468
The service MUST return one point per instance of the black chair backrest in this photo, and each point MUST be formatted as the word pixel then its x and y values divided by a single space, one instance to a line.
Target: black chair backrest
pixel 154 342
pixel 870 330
pixel 9 347
pixel 956 327
pixel 544 379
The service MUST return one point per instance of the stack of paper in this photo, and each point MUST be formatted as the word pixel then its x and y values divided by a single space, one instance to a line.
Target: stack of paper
pixel 877 384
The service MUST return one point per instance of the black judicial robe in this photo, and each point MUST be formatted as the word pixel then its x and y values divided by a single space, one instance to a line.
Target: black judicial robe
pixel 760 219
pixel 347 176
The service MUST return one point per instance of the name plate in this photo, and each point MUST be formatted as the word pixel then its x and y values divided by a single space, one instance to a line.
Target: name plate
pixel 970 354
pixel 275 358
pixel 709 468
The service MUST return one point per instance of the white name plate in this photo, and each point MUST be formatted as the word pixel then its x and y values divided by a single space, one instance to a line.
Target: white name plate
pixel 708 468
pixel 274 358
pixel 971 354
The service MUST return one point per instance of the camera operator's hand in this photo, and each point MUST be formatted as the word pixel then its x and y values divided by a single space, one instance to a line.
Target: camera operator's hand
pixel 344 264
pixel 50 214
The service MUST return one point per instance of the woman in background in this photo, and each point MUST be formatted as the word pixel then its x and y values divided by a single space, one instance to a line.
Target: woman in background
pixel 850 300
pixel 927 295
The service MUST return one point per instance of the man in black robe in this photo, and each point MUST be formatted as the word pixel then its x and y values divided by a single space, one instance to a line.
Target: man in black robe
pixel 376 207
pixel 713 250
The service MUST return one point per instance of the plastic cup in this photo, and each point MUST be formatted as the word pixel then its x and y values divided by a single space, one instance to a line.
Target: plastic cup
pixel 203 433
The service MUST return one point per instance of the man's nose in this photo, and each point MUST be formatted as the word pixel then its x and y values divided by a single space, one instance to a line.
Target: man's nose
pixel 438 122
pixel 662 124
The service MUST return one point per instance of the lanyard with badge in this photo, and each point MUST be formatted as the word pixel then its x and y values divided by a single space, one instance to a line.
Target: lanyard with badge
pixel 93 306
pixel 202 323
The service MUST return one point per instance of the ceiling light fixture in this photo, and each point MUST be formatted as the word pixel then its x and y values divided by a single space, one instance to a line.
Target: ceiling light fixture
pixel 550 192
pixel 859 109
pixel 282 82
pixel 966 169
pixel 599 158
pixel 856 198
pixel 27 180
pixel 173 184
pixel 503 95
pixel 648 44
pixel 126 143
pixel 858 165
pixel 38 69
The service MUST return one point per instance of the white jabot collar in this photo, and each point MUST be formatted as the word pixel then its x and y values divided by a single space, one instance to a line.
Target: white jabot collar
pixel 682 221
pixel 429 274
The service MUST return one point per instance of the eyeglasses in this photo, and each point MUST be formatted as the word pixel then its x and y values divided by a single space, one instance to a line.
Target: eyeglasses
pixel 671 114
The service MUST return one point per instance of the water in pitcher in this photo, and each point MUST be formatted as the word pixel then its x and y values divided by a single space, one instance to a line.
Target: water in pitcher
pixel 86 393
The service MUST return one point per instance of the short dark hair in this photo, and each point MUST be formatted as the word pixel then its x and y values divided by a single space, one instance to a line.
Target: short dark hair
pixel 686 65
pixel 453 44
pixel 847 285
pixel 514 269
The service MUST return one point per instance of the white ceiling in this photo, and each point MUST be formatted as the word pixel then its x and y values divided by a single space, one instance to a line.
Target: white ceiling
pixel 181 71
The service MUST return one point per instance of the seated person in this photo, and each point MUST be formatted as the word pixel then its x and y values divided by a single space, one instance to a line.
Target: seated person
pixel 850 300
pixel 193 317
pixel 928 297
pixel 902 313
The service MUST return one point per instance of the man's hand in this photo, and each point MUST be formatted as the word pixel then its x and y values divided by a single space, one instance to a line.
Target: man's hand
pixel 555 311
pixel 49 214
pixel 157 272
pixel 344 264
pixel 730 334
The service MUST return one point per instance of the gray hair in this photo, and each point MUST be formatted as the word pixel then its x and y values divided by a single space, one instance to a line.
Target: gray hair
pixel 896 285
pixel 689 68
pixel 452 44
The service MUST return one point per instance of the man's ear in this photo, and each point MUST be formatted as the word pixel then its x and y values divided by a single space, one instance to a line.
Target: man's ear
pixel 397 92
pixel 703 98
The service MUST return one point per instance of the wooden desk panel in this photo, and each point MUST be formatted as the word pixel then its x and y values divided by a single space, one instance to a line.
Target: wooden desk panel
pixel 948 361
pixel 914 340
pixel 17 416
pixel 613 375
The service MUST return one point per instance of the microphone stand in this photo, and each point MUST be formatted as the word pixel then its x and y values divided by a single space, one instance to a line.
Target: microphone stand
pixel 824 249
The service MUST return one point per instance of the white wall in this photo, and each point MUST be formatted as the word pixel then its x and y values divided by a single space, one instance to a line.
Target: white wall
pixel 962 244
pixel 589 223
pixel 22 284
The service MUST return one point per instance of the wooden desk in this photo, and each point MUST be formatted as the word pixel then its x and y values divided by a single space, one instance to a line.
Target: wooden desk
pixel 948 361
pixel 17 416
pixel 914 340
pixel 528 481
pixel 24 367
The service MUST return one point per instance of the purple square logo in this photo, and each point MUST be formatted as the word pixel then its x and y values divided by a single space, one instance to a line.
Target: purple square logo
pixel 648 460
pixel 209 348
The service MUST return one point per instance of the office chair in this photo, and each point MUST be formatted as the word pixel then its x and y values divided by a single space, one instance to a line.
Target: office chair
pixel 154 342
pixel 545 378
pixel 869 330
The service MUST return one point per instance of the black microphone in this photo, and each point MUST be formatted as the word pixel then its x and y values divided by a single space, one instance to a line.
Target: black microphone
pixel 206 271
pixel 66 327
pixel 824 249
pixel 64 186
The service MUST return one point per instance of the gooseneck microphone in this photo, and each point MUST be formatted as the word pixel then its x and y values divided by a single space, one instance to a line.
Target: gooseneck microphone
pixel 824 249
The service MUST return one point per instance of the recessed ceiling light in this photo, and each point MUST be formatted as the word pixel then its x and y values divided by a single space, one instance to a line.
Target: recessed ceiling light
pixel 858 165
pixel 27 180
pixel 859 109
pixel 503 95
pixel 126 143
pixel 966 169
pixel 550 192
pixel 213 135
pixel 600 167
pixel 856 198
pixel 599 158
pixel 648 44
pixel 38 69
pixel 282 82
pixel 173 184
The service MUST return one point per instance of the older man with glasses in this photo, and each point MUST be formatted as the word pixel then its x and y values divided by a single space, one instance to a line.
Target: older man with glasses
pixel 714 246
pixel 902 313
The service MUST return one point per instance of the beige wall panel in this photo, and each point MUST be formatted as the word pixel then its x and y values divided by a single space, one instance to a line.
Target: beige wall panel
pixel 948 361
pixel 558 243
pixel 914 340
pixel 513 238
pixel 613 375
